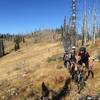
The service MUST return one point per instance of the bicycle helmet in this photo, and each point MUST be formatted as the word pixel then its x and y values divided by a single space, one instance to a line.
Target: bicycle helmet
pixel 66 50
pixel 73 47
pixel 82 49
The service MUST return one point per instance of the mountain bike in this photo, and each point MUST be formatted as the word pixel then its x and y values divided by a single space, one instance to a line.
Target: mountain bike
pixel 81 79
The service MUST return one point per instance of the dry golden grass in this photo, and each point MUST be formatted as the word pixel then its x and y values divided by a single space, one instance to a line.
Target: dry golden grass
pixel 27 68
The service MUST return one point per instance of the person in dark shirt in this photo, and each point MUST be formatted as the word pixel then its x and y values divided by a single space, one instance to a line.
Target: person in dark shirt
pixel 83 57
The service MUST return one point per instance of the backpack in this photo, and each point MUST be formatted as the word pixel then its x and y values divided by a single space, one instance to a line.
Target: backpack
pixel 73 54
pixel 66 57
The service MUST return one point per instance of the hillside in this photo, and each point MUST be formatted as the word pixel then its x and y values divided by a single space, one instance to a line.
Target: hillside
pixel 23 72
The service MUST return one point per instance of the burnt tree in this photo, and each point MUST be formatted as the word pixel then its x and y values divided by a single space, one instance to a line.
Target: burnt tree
pixel 1 48
pixel 17 43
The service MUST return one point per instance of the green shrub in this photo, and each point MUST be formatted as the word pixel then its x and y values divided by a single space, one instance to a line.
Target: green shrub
pixel 98 57
pixel 51 59
pixel 17 43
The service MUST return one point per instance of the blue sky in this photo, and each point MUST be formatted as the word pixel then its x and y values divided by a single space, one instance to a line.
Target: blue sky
pixel 27 15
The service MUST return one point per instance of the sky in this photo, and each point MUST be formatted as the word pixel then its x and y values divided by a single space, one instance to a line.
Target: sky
pixel 17 16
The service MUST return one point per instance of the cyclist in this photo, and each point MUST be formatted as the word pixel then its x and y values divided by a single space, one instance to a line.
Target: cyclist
pixel 83 57
pixel 66 58
pixel 73 54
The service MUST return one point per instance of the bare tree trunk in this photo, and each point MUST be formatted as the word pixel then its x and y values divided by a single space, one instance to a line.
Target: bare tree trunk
pixel 94 26
pixel 1 48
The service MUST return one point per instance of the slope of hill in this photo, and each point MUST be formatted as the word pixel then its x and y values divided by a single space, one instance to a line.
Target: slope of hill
pixel 22 72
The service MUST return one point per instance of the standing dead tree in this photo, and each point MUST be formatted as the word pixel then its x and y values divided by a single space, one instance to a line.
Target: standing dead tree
pixel 66 36
pixel 69 31
pixel 17 43
pixel 98 33
pixel 94 25
pixel 1 48
pixel 85 28
pixel 73 24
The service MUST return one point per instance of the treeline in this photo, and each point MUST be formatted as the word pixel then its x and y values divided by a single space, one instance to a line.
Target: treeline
pixel 67 37
pixel 46 35
pixel 70 37
pixel 10 37
pixel 63 34
pixel 16 39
